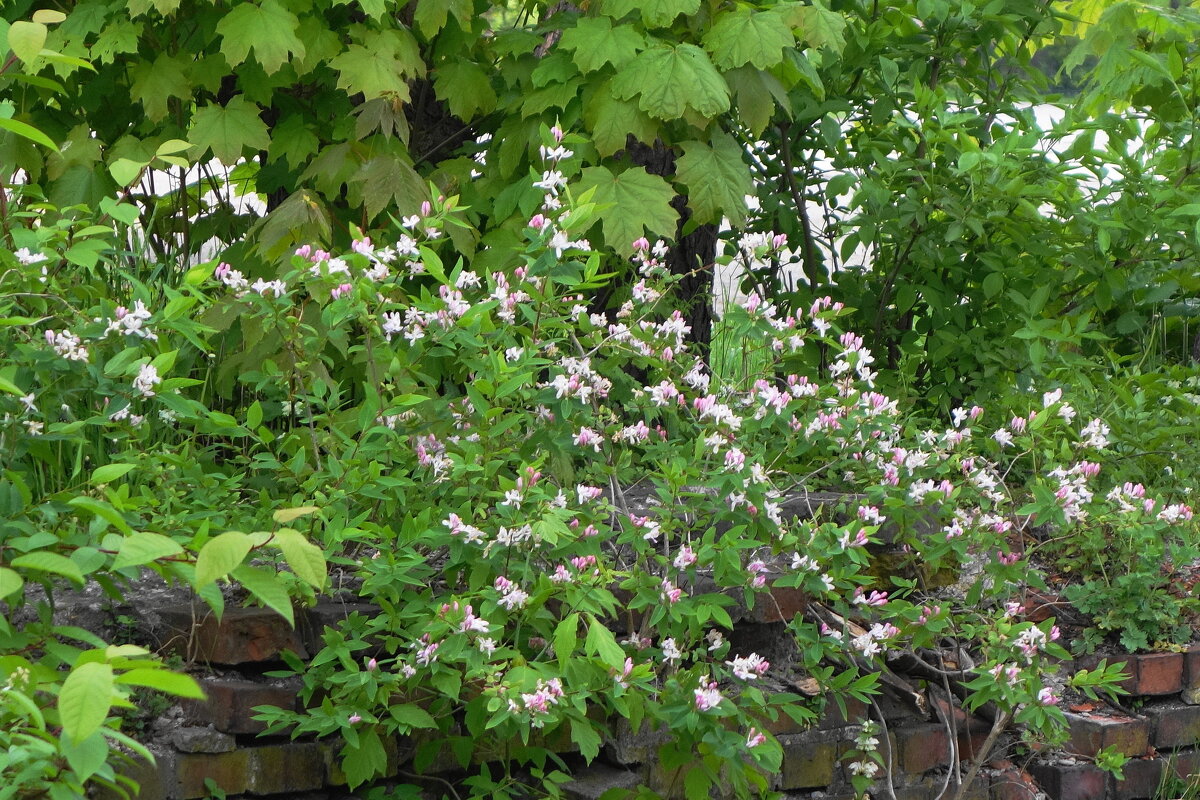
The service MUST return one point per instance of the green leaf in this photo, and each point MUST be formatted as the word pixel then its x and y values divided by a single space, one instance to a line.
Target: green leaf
pixel 109 473
pixel 669 80
pixel 45 561
pixel 379 65
pixel 84 700
pixel 412 716
pixel 268 29
pixel 584 735
pixel 596 43
pixel 10 582
pixel 102 510
pixel 366 761
pixel 465 87
pixel 743 36
pixel 267 588
pixel 717 178
pixel 430 15
pixel 638 202
pixel 285 515
pixel 756 92
pixel 27 131
pixel 230 130
pixel 125 171
pixel 305 558
pixel 142 548
pixel 26 40
pixel 86 757
pixel 220 556
pixel 655 13
pixel 566 638
pixel 612 121
pixel 154 83
pixel 601 642
pixel 11 388
pixel 174 683
pixel 819 26
pixel 388 182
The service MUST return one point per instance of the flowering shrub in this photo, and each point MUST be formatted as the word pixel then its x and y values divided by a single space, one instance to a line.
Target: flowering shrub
pixel 560 509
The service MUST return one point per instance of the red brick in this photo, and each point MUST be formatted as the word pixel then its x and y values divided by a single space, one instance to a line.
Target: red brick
pixel 778 604
pixel 923 747
pixel 228 771
pixel 1011 783
pixel 312 622
pixel 808 761
pixel 1175 725
pixel 241 636
pixel 1071 781
pixel 1159 674
pixel 856 712
pixel 1091 732
pixel 285 768
pixel 229 704
pixel 1039 607
pixel 1185 763
pixel 1143 777
pixel 1191 667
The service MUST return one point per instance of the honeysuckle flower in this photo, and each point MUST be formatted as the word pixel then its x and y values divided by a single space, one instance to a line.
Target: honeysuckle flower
pixel 750 667
pixel 707 695
pixel 147 379
pixel 685 557
pixel 754 738
pixel 1047 697
pixel 670 650
pixel 354 719
pixel 67 345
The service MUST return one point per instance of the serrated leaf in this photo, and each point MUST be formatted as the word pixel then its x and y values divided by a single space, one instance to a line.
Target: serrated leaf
pixel 596 42
pixel 26 39
pixel 229 131
pixel 601 642
pixel 756 92
pixel 637 200
pixel 268 29
pixel 430 15
pixel 655 13
pixel 717 178
pixel 292 141
pixel 818 26
pixel 465 87
pixel 743 36
pixel 45 561
pixel 412 716
pixel 84 700
pixel 387 182
pixel 154 83
pixel 143 547
pixel 584 735
pixel 119 36
pixel 163 680
pixel 670 80
pixel 10 582
pixel 109 473
pixel 566 638
pixel 305 558
pixel 267 588
pixel 28 132
pixel 612 121
pixel 221 555
pixel 380 65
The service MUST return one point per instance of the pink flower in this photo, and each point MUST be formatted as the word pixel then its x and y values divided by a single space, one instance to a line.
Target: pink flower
pixel 685 558
pixel 1047 697
pixel 707 696
pixel 754 738
pixel 354 719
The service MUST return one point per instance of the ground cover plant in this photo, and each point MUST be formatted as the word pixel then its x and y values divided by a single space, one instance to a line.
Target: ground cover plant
pixel 470 374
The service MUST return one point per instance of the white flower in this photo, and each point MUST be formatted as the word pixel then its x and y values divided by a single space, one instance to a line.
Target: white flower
pixel 25 256
pixel 146 380
pixel 671 650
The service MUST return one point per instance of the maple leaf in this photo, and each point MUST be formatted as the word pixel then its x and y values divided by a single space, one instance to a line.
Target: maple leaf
pixel 229 130
pixel 430 15
pixel 818 26
pixel 292 141
pixel 743 37
pixel 756 92
pixel 610 121
pixel 388 181
pixel 717 178
pixel 596 43
pixel 268 29
pixel 668 80
pixel 155 83
pixel 465 88
pixel 637 202
pixel 379 65
pixel 655 13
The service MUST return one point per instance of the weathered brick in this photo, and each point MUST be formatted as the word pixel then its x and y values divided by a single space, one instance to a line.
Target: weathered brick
pixel 311 622
pixel 241 636
pixel 1185 764
pixel 1191 667
pixel 1143 777
pixel 202 740
pixel 287 767
pixel 627 747
pixel 591 782
pixel 1009 782
pixel 809 761
pixel 923 747
pixel 778 604
pixel 154 781
pixel 1091 732
pixel 1175 724
pixel 228 771
pixel 1070 781
pixel 856 713
pixel 1159 674
pixel 229 704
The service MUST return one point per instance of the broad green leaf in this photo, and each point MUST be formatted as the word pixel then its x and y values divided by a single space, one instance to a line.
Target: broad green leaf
pixel 412 716
pixel 109 473
pixel 717 178
pixel 669 80
pixel 756 92
pixel 596 42
pixel 27 131
pixel 566 637
pixel 84 700
pixel 655 13
pixel 266 586
pixel 228 131
pixel 584 735
pixel 305 558
pixel 85 757
pixel 143 547
pixel 101 509
pixel 366 761
pixel 45 561
pixel 221 555
pixel 10 582
pixel 601 642
pixel 26 39
pixel 118 37
pixel 380 65
pixel 430 15
pixel 154 83
pixel 639 202
pixel 48 16
pixel 268 29
pixel 11 388
pixel 465 87
pixel 743 36
pixel 818 26
pixel 388 182
pixel 125 171
pixel 292 141
pixel 285 515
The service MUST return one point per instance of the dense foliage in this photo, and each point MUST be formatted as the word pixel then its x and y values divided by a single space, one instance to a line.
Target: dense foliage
pixel 450 361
